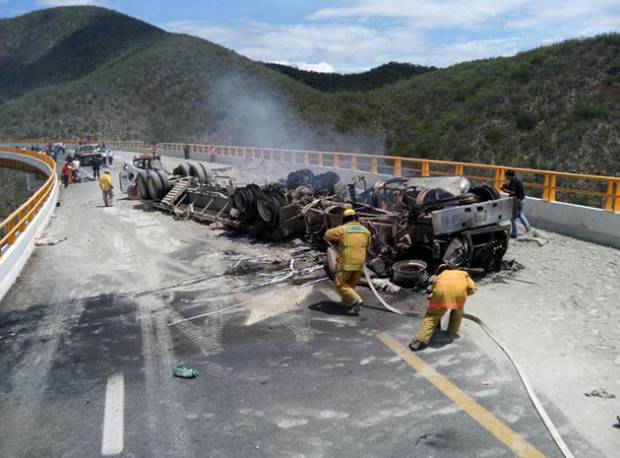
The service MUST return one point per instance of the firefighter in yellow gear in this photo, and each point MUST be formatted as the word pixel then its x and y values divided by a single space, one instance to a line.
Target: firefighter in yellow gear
pixel 352 240
pixel 106 186
pixel 450 290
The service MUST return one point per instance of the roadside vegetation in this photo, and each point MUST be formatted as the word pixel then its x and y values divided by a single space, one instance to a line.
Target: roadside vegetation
pixel 76 71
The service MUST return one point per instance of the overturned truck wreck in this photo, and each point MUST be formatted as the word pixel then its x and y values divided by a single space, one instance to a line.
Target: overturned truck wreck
pixel 432 219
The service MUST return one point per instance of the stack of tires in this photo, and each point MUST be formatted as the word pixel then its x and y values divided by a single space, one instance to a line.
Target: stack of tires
pixel 152 184
pixel 194 169
pixel 324 183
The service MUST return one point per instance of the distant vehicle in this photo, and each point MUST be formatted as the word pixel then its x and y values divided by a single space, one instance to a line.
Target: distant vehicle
pixel 86 154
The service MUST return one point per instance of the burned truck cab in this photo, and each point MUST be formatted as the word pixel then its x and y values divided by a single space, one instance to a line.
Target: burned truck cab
pixel 437 220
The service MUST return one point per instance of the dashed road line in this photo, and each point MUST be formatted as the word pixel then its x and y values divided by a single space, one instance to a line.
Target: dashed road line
pixel 486 419
pixel 112 441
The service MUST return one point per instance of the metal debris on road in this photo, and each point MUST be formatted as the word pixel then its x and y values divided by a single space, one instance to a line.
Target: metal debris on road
pixel 182 371
pixel 600 393
pixel 49 241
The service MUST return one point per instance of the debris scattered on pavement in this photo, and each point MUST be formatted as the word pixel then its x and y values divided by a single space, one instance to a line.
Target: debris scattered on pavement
pixel 182 371
pixel 50 240
pixel 534 236
pixel 485 382
pixel 509 268
pixel 617 425
pixel 384 284
pixel 600 393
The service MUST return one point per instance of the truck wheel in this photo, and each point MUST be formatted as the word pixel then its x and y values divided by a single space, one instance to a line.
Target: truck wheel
pixel 197 171
pixel 210 177
pixel 154 186
pixel 485 193
pixel 181 170
pixel 165 181
pixel 141 184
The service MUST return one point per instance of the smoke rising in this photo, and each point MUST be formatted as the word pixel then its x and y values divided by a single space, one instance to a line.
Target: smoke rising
pixel 252 111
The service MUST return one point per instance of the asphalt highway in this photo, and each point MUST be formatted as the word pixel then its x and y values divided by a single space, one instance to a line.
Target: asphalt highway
pixel 87 353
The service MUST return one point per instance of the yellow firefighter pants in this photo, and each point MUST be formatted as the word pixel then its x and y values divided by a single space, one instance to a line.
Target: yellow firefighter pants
pixel 433 317
pixel 345 284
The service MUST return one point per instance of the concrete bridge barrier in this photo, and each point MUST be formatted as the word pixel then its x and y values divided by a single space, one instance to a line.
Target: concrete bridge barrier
pixel 19 230
pixel 545 210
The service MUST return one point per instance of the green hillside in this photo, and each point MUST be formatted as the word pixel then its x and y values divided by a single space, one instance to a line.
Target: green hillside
pixel 90 71
pixel 365 81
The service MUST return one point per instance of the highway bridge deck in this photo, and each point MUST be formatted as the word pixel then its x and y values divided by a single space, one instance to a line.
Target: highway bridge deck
pixel 87 351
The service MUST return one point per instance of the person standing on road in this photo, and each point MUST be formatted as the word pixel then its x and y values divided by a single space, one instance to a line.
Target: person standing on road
pixel 96 167
pixel 515 189
pixel 352 239
pixel 106 185
pixel 186 151
pixel 449 292
pixel 67 172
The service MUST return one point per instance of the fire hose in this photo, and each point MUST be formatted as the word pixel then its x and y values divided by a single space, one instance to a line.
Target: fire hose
pixel 542 413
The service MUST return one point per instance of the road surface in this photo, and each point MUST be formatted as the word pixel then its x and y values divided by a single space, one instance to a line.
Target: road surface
pixel 88 351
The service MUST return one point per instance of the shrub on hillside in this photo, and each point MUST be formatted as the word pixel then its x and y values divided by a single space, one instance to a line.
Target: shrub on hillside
pixel 588 112
pixel 521 72
pixel 526 120
pixel 495 134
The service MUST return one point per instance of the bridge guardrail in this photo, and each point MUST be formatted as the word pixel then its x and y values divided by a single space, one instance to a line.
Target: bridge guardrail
pixel 18 221
pixel 551 186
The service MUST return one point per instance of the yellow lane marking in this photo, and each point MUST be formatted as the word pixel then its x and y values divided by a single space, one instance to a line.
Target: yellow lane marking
pixel 503 433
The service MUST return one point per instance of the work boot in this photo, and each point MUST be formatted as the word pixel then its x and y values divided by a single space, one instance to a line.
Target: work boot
pixel 416 345
pixel 355 310
pixel 452 335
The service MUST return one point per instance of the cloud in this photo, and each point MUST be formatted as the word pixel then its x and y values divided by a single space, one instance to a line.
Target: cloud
pixel 426 13
pixel 361 34
pixel 320 67
pixel 354 47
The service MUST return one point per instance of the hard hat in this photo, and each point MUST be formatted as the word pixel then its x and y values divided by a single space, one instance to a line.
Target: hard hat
pixel 106 171
pixel 349 212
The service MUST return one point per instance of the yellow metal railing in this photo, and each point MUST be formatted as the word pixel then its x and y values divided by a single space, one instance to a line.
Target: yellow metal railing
pixel 549 184
pixel 18 221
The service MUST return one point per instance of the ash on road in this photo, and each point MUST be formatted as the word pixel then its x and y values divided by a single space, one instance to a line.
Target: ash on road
pixel 87 350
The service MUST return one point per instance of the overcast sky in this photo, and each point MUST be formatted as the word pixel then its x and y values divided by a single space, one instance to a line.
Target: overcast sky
pixel 355 35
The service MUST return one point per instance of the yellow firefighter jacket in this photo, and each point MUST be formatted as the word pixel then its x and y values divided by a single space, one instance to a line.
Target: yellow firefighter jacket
pixel 450 289
pixel 352 239
pixel 105 182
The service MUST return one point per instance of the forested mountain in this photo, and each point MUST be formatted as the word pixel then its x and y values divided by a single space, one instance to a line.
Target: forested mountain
pixel 365 81
pixel 75 71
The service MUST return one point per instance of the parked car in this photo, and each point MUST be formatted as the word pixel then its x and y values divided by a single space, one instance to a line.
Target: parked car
pixel 86 154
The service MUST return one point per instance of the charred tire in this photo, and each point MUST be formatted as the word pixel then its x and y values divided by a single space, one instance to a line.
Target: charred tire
pixel 141 184
pixel 165 181
pixel 208 173
pixel 299 178
pixel 245 203
pixel 196 170
pixel 155 186
pixel 181 170
pixel 326 181
pixel 240 200
pixel 268 209
pixel 485 193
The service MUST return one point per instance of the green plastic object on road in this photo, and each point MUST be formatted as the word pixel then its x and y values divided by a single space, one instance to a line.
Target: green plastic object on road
pixel 181 370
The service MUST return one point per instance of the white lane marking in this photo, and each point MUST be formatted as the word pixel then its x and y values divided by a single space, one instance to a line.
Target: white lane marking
pixel 113 418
